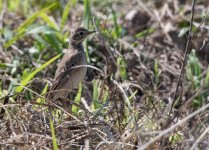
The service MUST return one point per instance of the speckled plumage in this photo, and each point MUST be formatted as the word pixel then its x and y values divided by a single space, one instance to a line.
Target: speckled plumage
pixel 71 70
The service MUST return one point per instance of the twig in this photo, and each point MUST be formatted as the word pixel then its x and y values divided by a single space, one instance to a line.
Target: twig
pixel 1 24
pixel 125 97
pixel 6 100
pixel 50 102
pixel 200 138
pixel 185 56
pixel 86 144
pixel 179 123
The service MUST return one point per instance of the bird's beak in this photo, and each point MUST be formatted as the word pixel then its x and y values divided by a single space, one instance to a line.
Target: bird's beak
pixel 91 32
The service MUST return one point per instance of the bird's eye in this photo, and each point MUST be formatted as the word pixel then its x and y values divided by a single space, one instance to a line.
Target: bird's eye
pixel 81 33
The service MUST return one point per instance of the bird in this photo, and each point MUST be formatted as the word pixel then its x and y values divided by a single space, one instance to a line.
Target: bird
pixel 71 70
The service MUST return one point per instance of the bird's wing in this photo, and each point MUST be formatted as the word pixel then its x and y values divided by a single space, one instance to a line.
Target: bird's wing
pixel 65 68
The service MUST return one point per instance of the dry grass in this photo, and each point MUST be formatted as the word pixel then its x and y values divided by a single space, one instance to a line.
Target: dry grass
pixel 134 63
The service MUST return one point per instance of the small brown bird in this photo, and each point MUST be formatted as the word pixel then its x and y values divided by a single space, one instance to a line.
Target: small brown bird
pixel 71 70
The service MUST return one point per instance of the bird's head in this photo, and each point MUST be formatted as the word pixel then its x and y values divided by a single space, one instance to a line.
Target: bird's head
pixel 80 34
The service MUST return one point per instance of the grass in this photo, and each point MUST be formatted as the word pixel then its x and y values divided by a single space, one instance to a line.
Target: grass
pixel 129 89
pixel 27 78
pixel 23 27
pixel 55 146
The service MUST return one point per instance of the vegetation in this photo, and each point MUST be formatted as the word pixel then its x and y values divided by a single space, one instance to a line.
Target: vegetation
pixel 146 85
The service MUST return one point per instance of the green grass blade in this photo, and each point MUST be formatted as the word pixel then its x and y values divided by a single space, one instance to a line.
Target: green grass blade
pixel 26 80
pixel 145 32
pixel 77 99
pixel 52 36
pixel 15 38
pixel 193 67
pixel 53 136
pixel 13 5
pixel 49 21
pixel 66 12
pixel 132 95
pixel 87 13
pixel 156 72
pixel 31 19
pixel 95 104
pixel 54 42
pixel 207 78
pixel 42 100
pixel 22 28
pixel 121 63
pixel 87 17
pixel 117 29
pixel 37 29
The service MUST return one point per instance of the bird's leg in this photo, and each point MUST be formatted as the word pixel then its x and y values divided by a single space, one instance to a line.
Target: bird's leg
pixel 66 104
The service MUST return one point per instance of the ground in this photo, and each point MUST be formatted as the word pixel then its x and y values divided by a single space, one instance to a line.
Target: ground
pixel 146 85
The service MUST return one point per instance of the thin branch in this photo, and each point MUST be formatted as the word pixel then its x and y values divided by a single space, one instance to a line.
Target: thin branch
pixel 179 123
pixel 185 55
pixel 200 138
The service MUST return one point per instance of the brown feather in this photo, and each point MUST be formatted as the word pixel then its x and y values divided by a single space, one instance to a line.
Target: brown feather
pixel 68 76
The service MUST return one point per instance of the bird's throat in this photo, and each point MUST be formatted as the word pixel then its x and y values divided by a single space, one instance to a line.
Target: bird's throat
pixel 78 46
